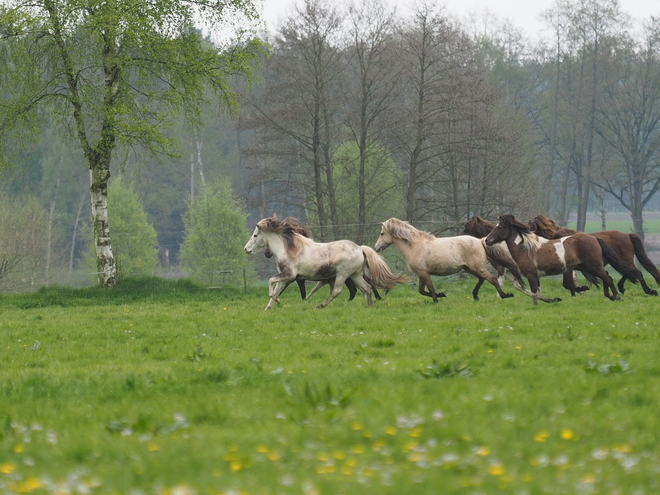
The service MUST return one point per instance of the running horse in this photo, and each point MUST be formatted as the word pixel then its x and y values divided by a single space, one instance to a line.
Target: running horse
pixel 626 246
pixel 299 256
pixel 538 257
pixel 428 255
pixel 306 232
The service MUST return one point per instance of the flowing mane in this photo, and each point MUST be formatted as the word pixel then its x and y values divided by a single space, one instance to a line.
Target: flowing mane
pixel 403 230
pixel 289 229
pixel 531 241
pixel 548 228
pixel 477 227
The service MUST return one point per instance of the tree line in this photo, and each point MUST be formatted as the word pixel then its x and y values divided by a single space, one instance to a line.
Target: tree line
pixel 355 114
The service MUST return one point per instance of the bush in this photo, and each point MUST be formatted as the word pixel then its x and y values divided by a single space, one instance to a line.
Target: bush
pixel 215 233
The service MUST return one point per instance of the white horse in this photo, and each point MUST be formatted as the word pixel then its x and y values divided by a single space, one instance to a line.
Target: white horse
pixel 300 257
pixel 428 255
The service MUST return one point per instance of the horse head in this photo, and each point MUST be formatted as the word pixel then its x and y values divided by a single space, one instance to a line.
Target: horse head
pixel 546 227
pixel 257 241
pixel 477 227
pixel 507 228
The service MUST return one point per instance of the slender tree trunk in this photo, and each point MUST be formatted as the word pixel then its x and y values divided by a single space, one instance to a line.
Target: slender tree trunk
pixel 75 230
pixel 105 261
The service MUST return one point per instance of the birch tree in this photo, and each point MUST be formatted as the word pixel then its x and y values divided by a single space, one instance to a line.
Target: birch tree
pixel 115 73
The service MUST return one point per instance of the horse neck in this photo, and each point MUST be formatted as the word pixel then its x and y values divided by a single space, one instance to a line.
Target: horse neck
pixel 276 244
pixel 405 248
pixel 519 252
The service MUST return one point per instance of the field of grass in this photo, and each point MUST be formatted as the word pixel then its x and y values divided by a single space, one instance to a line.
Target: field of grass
pixel 651 226
pixel 165 387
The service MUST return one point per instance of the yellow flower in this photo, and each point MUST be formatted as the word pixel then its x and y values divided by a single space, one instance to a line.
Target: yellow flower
pixel 483 451
pixel 235 466
pixel 356 426
pixel 19 448
pixel 566 434
pixel 262 448
pixel 274 456
pixel 7 468
pixel 541 436
pixel 623 449
pixel 358 449
pixel 416 432
pixel 153 447
pixel 496 469
pixel 29 485
pixel 339 455
pixel 390 430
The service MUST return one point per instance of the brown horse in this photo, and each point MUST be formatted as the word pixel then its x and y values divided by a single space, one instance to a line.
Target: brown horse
pixel 538 257
pixel 480 228
pixel 626 246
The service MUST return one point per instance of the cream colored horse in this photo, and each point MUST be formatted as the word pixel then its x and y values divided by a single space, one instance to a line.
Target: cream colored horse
pixel 300 257
pixel 428 255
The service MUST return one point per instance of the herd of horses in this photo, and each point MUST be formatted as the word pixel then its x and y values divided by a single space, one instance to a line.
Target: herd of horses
pixel 514 249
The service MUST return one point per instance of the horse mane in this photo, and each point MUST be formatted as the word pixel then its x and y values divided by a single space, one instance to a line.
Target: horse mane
pixel 478 227
pixel 531 241
pixel 403 230
pixel 548 228
pixel 289 229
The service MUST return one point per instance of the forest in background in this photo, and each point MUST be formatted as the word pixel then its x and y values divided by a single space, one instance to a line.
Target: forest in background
pixel 360 113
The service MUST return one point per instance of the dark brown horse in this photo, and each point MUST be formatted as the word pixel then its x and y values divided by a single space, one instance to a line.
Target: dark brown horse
pixel 626 246
pixel 537 257
pixel 480 228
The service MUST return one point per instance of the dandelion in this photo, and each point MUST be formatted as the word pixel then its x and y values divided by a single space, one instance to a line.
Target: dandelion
pixel 483 451
pixel 153 447
pixel 357 449
pixel 235 466
pixel 274 456
pixel 339 455
pixel 623 449
pixel 261 448
pixel 541 436
pixel 390 430
pixel 7 468
pixel 496 469
pixel 19 448
pixel 416 432
pixel 566 434
pixel 356 426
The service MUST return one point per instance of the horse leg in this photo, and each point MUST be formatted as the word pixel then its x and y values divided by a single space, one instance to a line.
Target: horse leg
pixel 475 291
pixel 303 290
pixel 535 287
pixel 484 274
pixel 424 282
pixel 647 289
pixel 335 289
pixel 361 282
pixel 318 285
pixel 373 288
pixel 608 283
pixel 352 289
pixel 568 282
pixel 576 284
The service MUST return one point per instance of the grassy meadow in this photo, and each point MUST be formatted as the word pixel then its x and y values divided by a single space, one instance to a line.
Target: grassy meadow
pixel 165 387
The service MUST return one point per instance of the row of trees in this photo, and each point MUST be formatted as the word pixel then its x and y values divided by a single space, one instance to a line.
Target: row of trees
pixel 476 119
pixel 358 114
pixel 32 251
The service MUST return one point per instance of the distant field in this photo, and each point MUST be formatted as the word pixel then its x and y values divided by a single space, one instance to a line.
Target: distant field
pixel 651 225
pixel 168 388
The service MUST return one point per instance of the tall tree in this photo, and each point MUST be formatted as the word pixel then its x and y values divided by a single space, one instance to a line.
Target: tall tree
pixel 114 72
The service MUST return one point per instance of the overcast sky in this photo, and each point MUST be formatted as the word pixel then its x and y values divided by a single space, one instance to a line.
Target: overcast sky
pixel 522 13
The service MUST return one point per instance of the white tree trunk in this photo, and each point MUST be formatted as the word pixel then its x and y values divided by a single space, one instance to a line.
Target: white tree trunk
pixel 105 261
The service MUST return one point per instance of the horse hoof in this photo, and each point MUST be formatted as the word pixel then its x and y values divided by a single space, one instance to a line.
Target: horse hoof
pixel 476 298
pixel 507 295
pixel 652 292
pixel 556 299
pixel 442 294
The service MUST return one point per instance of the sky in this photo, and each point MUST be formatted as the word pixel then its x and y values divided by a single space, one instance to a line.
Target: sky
pixel 521 13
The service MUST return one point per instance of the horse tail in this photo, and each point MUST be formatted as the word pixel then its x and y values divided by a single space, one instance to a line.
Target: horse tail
pixel 643 258
pixel 591 279
pixel 501 256
pixel 381 275
pixel 613 259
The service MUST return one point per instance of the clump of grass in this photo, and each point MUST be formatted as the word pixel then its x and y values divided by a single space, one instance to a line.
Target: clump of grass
pixel 439 369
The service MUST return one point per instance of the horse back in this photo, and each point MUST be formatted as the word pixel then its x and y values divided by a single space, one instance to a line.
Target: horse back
pixel 582 249
pixel 448 255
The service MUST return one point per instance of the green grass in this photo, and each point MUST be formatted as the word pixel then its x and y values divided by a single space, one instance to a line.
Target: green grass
pixel 158 386
pixel 651 226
